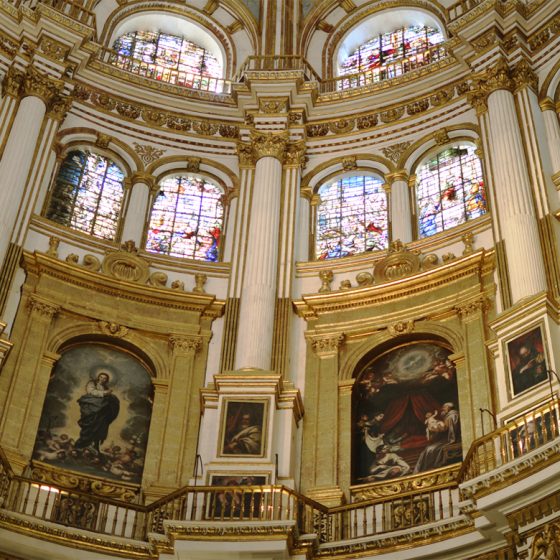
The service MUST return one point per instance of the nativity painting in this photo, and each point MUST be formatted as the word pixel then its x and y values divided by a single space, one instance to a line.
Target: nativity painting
pixel 406 413
pixel 96 414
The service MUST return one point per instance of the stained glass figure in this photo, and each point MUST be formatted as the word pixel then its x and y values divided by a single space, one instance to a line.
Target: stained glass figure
pixel 449 190
pixel 87 195
pixel 351 218
pixel 167 58
pixel 186 219
pixel 391 54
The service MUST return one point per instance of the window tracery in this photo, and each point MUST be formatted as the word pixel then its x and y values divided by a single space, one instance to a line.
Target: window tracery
pixel 168 58
pixel 449 190
pixel 87 195
pixel 186 219
pixel 351 217
pixel 393 53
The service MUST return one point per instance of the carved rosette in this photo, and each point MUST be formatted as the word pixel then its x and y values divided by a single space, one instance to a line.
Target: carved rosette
pixel 185 344
pixel 328 344
pixel 269 144
pixel 43 309
pixel 472 309
pixel 37 84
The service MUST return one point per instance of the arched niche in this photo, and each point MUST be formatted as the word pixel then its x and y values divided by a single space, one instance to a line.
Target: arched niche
pixel 97 410
pixel 405 410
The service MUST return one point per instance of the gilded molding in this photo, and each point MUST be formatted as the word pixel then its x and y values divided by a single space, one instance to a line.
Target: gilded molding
pixel 59 107
pixel 324 345
pixel 53 48
pixel 349 163
pixel 441 137
pixel 187 344
pixel 498 77
pixel 269 144
pixel 146 179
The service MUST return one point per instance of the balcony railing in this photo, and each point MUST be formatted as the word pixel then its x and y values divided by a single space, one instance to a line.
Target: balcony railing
pixel 161 74
pixel 75 10
pixel 272 63
pixel 461 7
pixel 518 437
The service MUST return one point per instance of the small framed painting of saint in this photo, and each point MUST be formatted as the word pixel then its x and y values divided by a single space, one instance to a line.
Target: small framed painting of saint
pixel 527 361
pixel 243 428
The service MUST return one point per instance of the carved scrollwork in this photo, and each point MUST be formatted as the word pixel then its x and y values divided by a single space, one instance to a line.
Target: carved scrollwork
pixel 158 279
pixel 471 309
pixel 268 144
pixel 126 265
pixel 42 308
pixel 188 344
pixel 401 327
pixel 327 344
pixel 395 152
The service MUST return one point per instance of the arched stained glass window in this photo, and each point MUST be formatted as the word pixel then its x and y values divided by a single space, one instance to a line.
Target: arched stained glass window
pixel 186 219
pixel 449 190
pixel 351 217
pixel 87 195
pixel 168 58
pixel 391 54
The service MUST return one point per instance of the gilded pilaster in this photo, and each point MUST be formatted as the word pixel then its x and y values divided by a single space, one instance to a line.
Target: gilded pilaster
pixel 182 413
pixel 320 437
pixel 23 392
pixel 473 374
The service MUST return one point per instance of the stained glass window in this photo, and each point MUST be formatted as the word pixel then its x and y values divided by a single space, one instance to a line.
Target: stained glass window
pixel 391 54
pixel 351 217
pixel 88 194
pixel 449 190
pixel 167 58
pixel 186 219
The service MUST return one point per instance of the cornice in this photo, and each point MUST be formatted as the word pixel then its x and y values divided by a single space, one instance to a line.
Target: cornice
pixel 87 276
pixel 478 264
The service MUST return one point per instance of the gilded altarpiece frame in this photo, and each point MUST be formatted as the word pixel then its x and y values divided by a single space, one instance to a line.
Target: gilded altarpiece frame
pixel 167 328
pixel 450 304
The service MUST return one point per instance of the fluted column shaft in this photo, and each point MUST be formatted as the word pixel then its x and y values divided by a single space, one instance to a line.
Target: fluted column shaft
pixel 137 209
pixel 401 225
pixel 258 295
pixel 514 198
pixel 552 126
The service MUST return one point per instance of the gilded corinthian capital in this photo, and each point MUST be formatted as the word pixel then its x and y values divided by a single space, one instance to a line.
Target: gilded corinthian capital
pixel 13 81
pixel 37 84
pixel 269 144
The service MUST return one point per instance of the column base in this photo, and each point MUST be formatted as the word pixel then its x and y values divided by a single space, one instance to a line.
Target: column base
pixel 330 496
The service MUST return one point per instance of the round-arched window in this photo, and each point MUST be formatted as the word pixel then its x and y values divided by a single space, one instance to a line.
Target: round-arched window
pixel 87 194
pixel 186 219
pixel 351 217
pixel 168 58
pixel 370 54
pixel 449 190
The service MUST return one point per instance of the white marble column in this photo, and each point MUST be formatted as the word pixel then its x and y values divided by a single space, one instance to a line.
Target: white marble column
pixel 19 152
pixel 258 295
pixel 11 86
pixel 513 194
pixel 138 208
pixel 552 126
pixel 401 215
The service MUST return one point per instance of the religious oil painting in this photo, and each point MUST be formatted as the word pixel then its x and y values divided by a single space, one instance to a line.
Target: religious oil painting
pixel 243 427
pixel 406 413
pixel 96 414
pixel 527 361
pixel 237 502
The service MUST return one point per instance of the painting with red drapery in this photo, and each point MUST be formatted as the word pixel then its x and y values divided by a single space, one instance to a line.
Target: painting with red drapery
pixel 405 413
